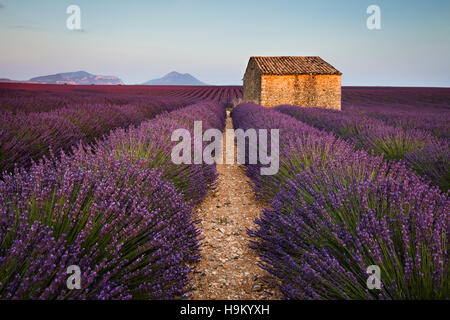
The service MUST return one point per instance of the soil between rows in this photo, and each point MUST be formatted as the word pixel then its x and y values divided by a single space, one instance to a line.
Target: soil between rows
pixel 228 269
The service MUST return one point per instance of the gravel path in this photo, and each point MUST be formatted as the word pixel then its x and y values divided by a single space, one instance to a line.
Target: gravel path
pixel 228 269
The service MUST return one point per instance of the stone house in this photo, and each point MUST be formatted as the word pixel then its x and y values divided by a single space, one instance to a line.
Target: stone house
pixel 302 81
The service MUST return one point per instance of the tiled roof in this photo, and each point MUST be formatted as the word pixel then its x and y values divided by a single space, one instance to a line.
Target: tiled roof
pixel 294 65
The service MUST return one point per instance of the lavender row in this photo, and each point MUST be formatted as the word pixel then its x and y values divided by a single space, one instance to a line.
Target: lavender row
pixel 435 122
pixel 424 153
pixel 409 108
pixel 335 211
pixel 25 101
pixel 45 98
pixel 151 143
pixel 113 210
pixel 29 136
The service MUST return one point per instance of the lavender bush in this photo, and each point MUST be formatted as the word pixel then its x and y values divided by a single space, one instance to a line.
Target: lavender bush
pixel 375 136
pixel 409 108
pixel 109 209
pixel 326 227
pixel 433 162
pixel 151 143
pixel 336 211
pixel 295 136
pixel 29 136
pixel 110 217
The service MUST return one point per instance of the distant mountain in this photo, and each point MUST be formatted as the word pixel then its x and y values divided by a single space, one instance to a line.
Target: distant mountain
pixel 175 78
pixel 79 77
pixel 9 80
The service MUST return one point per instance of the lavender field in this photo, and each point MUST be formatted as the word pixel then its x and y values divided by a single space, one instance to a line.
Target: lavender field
pixel 87 179
pixel 407 125
pixel 336 210
pixel 364 186
pixel 90 183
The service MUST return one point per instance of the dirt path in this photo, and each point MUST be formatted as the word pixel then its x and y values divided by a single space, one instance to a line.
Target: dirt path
pixel 228 269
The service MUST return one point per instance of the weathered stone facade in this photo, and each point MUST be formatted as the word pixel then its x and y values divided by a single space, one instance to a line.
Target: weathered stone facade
pixel 301 90
pixel 309 90
pixel 252 83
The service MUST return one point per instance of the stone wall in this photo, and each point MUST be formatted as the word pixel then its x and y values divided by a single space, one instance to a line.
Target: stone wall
pixel 252 83
pixel 301 90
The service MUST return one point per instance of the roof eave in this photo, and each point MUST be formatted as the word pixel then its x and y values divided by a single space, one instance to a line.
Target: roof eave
pixel 301 74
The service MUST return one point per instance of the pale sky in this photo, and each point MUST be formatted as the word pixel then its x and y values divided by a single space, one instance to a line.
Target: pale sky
pixel 139 40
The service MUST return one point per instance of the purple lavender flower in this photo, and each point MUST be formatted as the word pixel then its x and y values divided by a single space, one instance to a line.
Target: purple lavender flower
pixel 335 211
pixel 412 145
pixel 120 210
